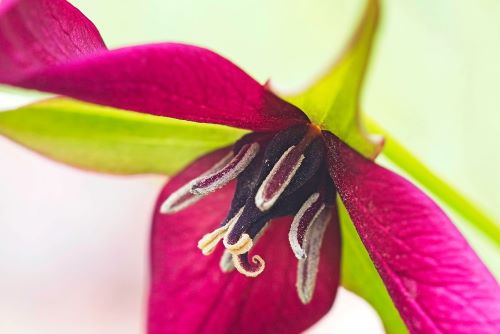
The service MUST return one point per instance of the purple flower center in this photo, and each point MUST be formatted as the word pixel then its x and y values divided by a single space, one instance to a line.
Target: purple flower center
pixel 278 174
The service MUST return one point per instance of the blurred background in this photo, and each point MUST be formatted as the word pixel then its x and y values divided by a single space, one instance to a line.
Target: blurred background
pixel 73 245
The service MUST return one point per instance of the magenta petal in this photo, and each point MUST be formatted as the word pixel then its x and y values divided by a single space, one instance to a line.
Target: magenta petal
pixel 189 293
pixel 39 33
pixel 436 280
pixel 173 80
pixel 50 46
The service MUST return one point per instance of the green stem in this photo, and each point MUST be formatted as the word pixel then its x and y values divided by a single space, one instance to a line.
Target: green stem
pixel 399 155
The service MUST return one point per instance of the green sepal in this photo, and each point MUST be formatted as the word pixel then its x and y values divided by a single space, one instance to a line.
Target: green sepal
pixel 358 274
pixel 332 102
pixel 109 140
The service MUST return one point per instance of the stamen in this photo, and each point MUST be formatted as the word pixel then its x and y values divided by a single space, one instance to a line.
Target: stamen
pixel 183 197
pixel 278 174
pixel 307 268
pixel 303 220
pixel 247 268
pixel 226 264
pixel 179 200
pixel 244 243
pixel 228 172
pixel 225 159
pixel 279 178
pixel 226 261
pixel 208 242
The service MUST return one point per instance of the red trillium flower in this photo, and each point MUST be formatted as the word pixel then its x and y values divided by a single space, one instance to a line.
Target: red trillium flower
pixel 265 209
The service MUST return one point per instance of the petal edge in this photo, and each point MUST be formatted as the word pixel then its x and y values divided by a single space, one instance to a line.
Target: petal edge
pixel 437 282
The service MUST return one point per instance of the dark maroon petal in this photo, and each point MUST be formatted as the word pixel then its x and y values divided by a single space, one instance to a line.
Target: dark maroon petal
pixel 190 294
pixel 437 282
pixel 50 46
pixel 35 34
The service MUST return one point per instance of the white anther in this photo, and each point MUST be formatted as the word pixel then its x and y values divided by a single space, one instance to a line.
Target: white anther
pixel 182 197
pixel 293 234
pixel 210 240
pixel 179 199
pixel 262 201
pixel 225 173
pixel 307 269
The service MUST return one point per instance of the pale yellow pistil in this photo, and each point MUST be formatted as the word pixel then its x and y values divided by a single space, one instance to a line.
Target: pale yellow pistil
pixel 256 259
pixel 243 245
pixel 210 240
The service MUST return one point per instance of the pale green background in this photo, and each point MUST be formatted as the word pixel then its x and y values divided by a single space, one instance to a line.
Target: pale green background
pixel 434 81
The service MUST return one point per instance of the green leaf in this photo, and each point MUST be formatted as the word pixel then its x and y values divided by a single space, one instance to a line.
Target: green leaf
pixel 333 101
pixel 360 276
pixel 110 140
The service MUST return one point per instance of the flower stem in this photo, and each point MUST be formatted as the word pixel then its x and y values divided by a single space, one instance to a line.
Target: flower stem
pixel 399 155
